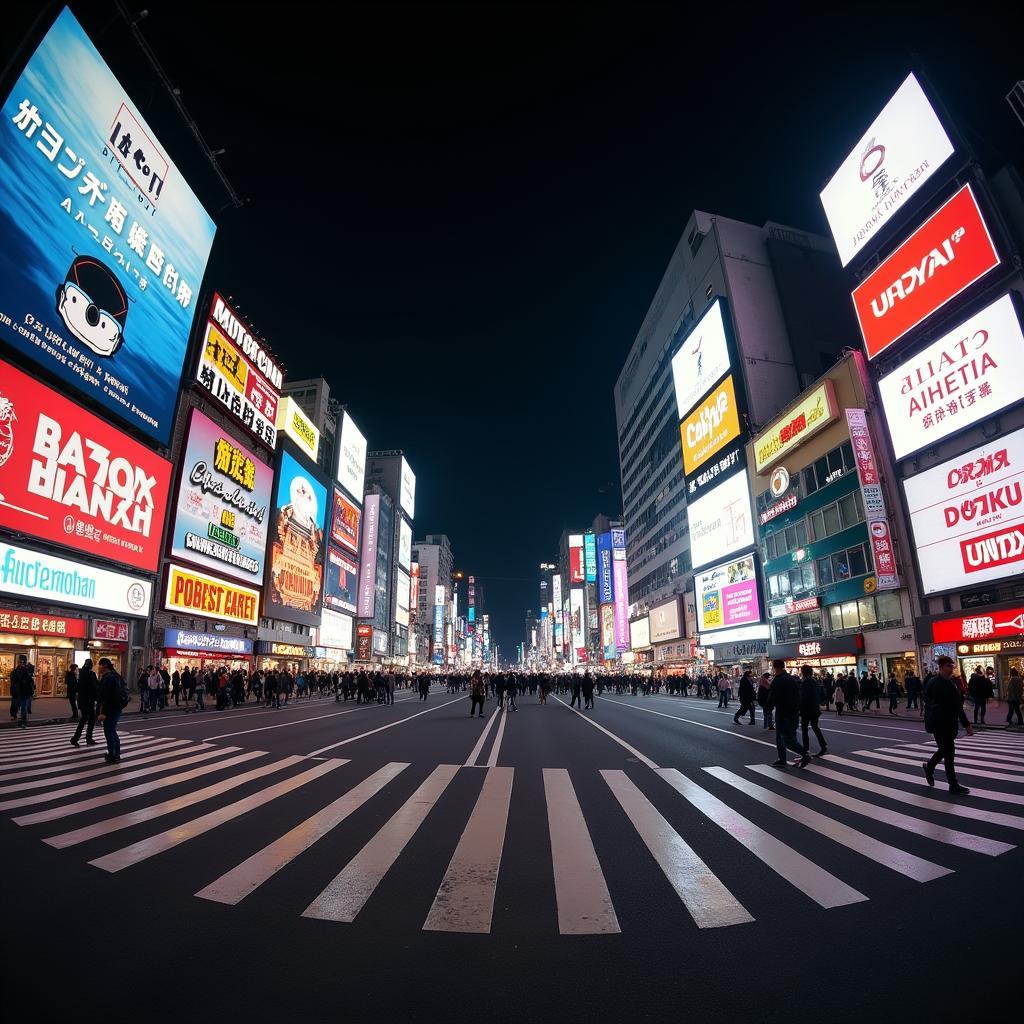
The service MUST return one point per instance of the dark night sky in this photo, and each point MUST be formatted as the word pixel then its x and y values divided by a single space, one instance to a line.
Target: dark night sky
pixel 459 215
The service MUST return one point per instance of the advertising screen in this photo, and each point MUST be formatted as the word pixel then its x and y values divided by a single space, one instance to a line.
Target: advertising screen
pixel 605 594
pixel 221 643
pixel 590 557
pixel 342 581
pixel 402 599
pixel 607 616
pixel 702 359
pixel 714 423
pixel 576 569
pixel 414 588
pixel 666 621
pixel 576 629
pixel 345 522
pixel 404 544
pixel 721 521
pixel 351 458
pixel 407 497
pixel 949 252
pixel 382 578
pixel 620 587
pixel 238 372
pixel 964 377
pixel 368 559
pixel 967 516
pixel 364 641
pixel 70 478
pixel 904 146
pixel 335 630
pixel 727 595
pixel 105 244
pixel 297 542
pixel 195 593
pixel 640 633
pixel 221 519
pixel 42 577
pixel 295 424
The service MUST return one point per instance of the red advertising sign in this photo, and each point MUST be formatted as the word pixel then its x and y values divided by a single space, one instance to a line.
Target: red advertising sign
pixel 949 252
pixel 70 478
pixel 884 554
pixel 803 604
pixel 40 625
pixel 364 641
pixel 345 523
pixel 110 629
pixel 979 627
pixel 576 565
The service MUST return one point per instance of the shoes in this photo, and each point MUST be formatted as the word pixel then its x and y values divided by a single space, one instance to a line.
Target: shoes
pixel 780 764
pixel 110 760
pixel 74 743
pixel 822 752
pixel 804 761
pixel 959 790
pixel 772 727
pixel 90 743
pixel 929 773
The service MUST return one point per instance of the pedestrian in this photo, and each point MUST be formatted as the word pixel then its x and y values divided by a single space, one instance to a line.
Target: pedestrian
pixel 71 688
pixel 424 685
pixel 23 689
pixel 723 691
pixel 113 699
pixel 200 689
pixel 839 696
pixel 746 698
pixel 784 699
pixel 588 692
pixel 810 709
pixel 176 686
pixel 143 684
pixel 943 713
pixel 979 690
pixel 87 690
pixel 577 692
pixel 477 693
pixel 894 694
pixel 912 684
pixel 544 689
pixel 1014 693
pixel 763 686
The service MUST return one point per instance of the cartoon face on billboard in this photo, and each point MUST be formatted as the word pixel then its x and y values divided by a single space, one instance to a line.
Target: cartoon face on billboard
pixel 93 305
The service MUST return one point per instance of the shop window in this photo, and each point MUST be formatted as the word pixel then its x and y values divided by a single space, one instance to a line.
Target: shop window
pixel 825 571
pixel 850 615
pixel 866 607
pixel 832 522
pixel 835 618
pixel 890 609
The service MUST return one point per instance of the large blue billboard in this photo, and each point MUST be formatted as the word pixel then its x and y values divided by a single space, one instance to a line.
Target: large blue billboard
pixel 590 557
pixel 103 245
pixel 604 569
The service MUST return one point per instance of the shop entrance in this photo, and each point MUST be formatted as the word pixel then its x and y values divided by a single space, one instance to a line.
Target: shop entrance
pixel 50 665
pixel 898 665
pixel 976 661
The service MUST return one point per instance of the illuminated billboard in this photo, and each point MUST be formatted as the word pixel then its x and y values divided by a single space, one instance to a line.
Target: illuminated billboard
pixel 194 593
pixel 721 522
pixel 702 359
pixel 368 558
pixel 576 569
pixel 666 621
pixel 345 522
pixel 341 583
pixel 640 633
pixel 335 631
pixel 407 495
pixel 727 595
pixel 404 544
pixel 620 586
pixel 351 458
pixel 294 423
pixel 713 423
pixel 605 593
pixel 576 630
pixel 799 423
pixel 590 557
pixel 402 587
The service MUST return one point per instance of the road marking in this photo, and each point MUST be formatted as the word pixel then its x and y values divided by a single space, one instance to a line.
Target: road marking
pixel 896 819
pixel 702 725
pixel 71 755
pixel 348 893
pixel 66 810
pixel 285 725
pixel 942 806
pixel 133 758
pixel 492 761
pixel 904 863
pixel 813 881
pixel 146 848
pixel 581 893
pixel 92 773
pixel 390 725
pixel 992 754
pixel 908 761
pixel 618 739
pixel 121 821
pixel 465 898
pixel 471 760
pixel 233 886
pixel 710 904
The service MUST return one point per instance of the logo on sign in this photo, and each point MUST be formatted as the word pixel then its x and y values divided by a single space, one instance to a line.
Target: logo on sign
pixel 778 483
pixel 809 650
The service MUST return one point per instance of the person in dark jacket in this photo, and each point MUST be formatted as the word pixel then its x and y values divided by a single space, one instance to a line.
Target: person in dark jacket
pixel 979 689
pixel 943 712
pixel 88 686
pixel 784 699
pixel 71 688
pixel 23 689
pixel 913 688
pixel 747 695
pixel 810 708
pixel 111 705
pixel 763 686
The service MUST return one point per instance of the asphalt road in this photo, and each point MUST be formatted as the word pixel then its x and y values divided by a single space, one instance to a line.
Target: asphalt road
pixel 642 861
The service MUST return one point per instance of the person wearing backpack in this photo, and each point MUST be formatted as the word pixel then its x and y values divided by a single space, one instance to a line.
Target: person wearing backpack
pixel 113 699
pixel 943 712
pixel 87 688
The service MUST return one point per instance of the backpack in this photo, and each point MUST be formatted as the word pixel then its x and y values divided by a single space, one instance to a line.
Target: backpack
pixel 122 692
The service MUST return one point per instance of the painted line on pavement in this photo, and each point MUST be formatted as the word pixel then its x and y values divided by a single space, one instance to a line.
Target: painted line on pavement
pixel 390 725
pixel 909 763
pixel 492 761
pixel 133 757
pixel 618 739
pixel 702 725
pixel 475 753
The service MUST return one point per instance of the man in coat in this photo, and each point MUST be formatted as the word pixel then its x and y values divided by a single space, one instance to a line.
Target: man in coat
pixel 784 699
pixel 943 713
pixel 88 686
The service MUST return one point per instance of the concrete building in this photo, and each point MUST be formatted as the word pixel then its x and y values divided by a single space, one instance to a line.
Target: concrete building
pixel 313 397
pixel 437 563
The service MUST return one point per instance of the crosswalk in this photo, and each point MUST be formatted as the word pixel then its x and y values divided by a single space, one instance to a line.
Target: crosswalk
pixel 693 831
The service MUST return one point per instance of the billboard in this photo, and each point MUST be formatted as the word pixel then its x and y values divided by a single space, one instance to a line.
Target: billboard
pixel 962 378
pixel 577 632
pixel 297 542
pixel 195 593
pixel 382 577
pixel 402 587
pixel 949 252
pixel 620 588
pixel 967 516
pixel 608 631
pixel 341 583
pixel 105 244
pixel 576 570
pixel 721 522
pixel 702 359
pixel 221 519
pixel 985 626
pixel 727 595
pixel 713 423
pixel 364 641
pixel 351 458
pixel 238 373
pixel 42 577
pixel 294 423
pixel 407 493
pixel 414 587
pixel 404 544
pixel 220 643
pixel 799 423
pixel 345 522
pixel 590 557
pixel 904 146
pixel 640 633
pixel 70 478
pixel 335 630
pixel 368 559
pixel 666 621
pixel 605 594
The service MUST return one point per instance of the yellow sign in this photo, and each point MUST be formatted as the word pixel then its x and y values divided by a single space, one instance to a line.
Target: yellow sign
pixel 298 426
pixel 710 427
pixel 195 594
pixel 221 353
pixel 800 422
pixel 870 584
pixel 289 650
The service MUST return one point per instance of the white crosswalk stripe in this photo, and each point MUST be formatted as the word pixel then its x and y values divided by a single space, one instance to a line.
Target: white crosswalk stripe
pixel 961 768
pixel 129 757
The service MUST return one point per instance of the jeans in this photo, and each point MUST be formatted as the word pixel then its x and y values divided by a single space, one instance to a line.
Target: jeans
pixel 110 734
pixel 785 736
pixel 745 706
pixel 767 717
pixel 200 693
pixel 474 700
pixel 24 706
pixel 946 752
pixel 88 719
pixel 1014 706
pixel 979 709
pixel 74 705
pixel 811 722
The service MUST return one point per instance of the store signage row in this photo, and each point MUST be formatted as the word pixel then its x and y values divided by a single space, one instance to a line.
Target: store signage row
pixel 787 504
pixel 70 478
pixel 801 604
pixel 105 244
pixel 967 375
pixel 987 626
pixel 43 577
pixel 883 550
pixel 219 643
pixel 727 595
pixel 41 625
pixel 852 644
pixel 967 516
pixel 799 423
pixel 282 650
pixel 991 647
pixel 949 252
pixel 239 373
pixel 194 593
pixel 701 360
pixel 904 146
pixel 114 630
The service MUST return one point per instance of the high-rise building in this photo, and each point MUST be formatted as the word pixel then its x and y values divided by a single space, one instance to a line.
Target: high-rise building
pixel 434 556
pixel 313 397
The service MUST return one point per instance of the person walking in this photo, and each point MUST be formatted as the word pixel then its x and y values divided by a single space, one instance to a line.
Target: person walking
pixel 544 688
pixel 893 690
pixel 200 689
pixel 839 696
pixel 979 690
pixel 87 690
pixel 810 709
pixel 746 698
pixel 763 685
pixel 113 699
pixel 784 699
pixel 577 689
pixel 23 689
pixel 71 688
pixel 1014 694
pixel 424 685
pixel 723 690
pixel 477 693
pixel 588 692
pixel 943 713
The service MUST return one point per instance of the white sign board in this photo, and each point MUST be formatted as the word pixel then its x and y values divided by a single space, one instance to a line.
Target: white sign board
pixel 721 521
pixel 666 622
pixel 352 459
pixel 702 360
pixel 640 633
pixel 407 498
